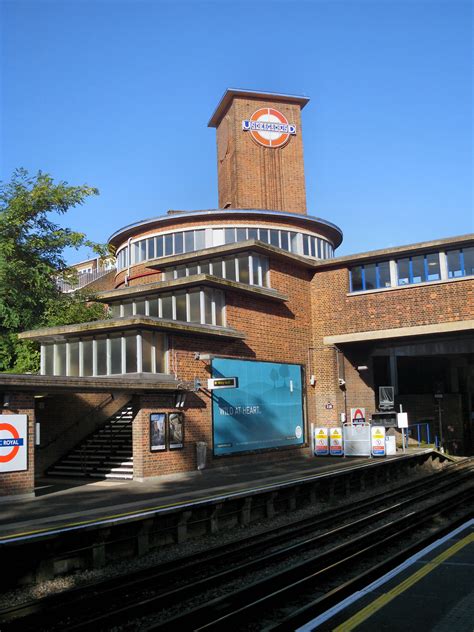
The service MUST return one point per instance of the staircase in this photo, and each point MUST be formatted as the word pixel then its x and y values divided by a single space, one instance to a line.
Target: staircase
pixel 107 453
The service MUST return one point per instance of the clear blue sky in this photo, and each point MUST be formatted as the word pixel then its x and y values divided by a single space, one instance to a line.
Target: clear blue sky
pixel 117 94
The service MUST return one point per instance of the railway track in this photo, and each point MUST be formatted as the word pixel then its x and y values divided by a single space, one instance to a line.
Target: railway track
pixel 300 558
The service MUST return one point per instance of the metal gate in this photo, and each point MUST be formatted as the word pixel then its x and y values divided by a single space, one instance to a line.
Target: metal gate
pixel 357 439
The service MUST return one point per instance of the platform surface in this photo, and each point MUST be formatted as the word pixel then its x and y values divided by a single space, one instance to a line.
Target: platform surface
pixel 61 502
pixel 433 591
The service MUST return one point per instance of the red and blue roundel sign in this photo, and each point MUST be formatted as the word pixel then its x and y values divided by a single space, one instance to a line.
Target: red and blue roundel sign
pixel 269 127
pixel 13 443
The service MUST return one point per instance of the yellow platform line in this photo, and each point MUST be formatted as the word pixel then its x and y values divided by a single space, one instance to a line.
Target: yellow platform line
pixel 386 598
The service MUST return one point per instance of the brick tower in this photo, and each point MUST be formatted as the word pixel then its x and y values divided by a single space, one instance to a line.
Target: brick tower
pixel 260 151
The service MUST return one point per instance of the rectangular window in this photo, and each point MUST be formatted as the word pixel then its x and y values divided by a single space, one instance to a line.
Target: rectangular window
pixel 180 272
pixel 178 243
pixel 204 267
pixel 433 271
pixel 241 234
pixel 167 306
pixel 403 271
pixel 208 306
pixel 229 235
pixel 230 268
pixel 128 308
pixel 189 241
pixel 153 307
pixel 192 269
pixel 60 358
pixel 140 307
pixel 454 264
pixel 135 253
pixel 143 250
pixel 217 268
pixel 87 356
pixel 131 353
pixel 101 355
pixel 115 310
pixel 116 354
pixel 168 245
pixel 285 244
pixel 73 368
pixel 356 279
pixel 151 248
pixel 274 238
pixel 265 269
pixel 194 306
pixel 253 233
pixel 199 239
pixel 159 246
pixel 159 353
pixel 147 351
pixel 468 256
pixel 418 269
pixel 219 306
pixel 180 306
pixel 168 274
pixel 370 277
pixel 48 359
pixel 243 262
pixel 294 242
pixel 383 269
pixel 264 235
pixel 255 267
pixel 306 245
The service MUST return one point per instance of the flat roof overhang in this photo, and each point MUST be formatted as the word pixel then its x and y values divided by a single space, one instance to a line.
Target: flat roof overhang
pixel 56 334
pixel 316 224
pixel 400 332
pixel 389 253
pixel 254 245
pixel 256 95
pixel 197 279
pixel 47 384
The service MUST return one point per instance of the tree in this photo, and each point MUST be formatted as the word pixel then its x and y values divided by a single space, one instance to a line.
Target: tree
pixel 32 258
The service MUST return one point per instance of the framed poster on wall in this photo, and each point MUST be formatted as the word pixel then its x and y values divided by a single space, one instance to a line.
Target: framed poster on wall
pixel 157 432
pixel 176 431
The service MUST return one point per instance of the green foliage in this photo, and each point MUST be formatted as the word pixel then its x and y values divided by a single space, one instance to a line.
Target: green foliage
pixel 31 258
pixel 68 309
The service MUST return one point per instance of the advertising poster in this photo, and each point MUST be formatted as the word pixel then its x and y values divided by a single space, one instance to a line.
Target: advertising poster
pixel 176 430
pixel 157 432
pixel 13 443
pixel 321 441
pixel 335 442
pixel 264 411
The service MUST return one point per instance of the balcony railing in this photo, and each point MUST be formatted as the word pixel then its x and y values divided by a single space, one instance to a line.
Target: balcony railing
pixel 83 279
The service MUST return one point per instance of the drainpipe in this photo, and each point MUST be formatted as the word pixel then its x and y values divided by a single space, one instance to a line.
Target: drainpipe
pixel 129 247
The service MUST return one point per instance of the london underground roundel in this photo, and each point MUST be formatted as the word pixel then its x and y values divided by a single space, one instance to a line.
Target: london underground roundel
pixel 268 127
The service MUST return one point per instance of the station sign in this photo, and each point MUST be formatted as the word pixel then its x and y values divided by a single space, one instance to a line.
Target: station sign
pixel 221 382
pixel 13 443
pixel 402 420
pixel 377 434
pixel 358 415
pixel 269 127
pixel 321 442
pixel 335 442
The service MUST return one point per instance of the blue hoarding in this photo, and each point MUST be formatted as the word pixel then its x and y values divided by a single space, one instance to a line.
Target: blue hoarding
pixel 265 411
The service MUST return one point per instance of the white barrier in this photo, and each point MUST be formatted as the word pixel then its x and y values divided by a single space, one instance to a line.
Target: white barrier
pixel 357 439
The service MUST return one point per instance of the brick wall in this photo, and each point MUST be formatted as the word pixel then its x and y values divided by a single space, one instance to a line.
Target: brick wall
pixel 20 483
pixel 253 176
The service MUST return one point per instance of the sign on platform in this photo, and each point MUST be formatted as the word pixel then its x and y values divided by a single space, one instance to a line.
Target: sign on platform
pixel 358 415
pixel 221 382
pixel 335 442
pixel 378 440
pixel 13 443
pixel 402 420
pixel 321 442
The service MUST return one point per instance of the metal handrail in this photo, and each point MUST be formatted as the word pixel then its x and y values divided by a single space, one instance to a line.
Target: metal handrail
pixel 82 279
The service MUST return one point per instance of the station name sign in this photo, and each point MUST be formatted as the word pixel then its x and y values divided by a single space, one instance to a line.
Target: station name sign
pixel 269 127
pixel 222 382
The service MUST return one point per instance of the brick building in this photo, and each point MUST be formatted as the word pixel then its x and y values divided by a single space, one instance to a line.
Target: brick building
pixel 250 293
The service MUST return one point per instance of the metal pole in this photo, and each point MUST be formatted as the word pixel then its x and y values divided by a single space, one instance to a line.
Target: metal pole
pixel 441 448
pixel 403 433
